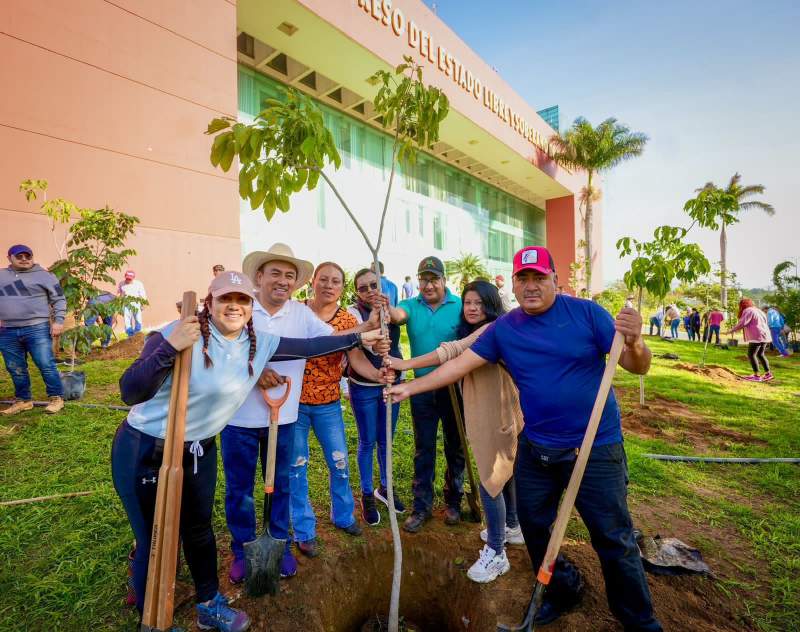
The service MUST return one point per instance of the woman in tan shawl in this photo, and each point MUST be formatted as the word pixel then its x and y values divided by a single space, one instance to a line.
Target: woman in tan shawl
pixel 493 419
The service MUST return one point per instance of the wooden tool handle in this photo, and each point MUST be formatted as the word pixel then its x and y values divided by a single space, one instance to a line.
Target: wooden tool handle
pixel 160 591
pixel 272 445
pixel 565 510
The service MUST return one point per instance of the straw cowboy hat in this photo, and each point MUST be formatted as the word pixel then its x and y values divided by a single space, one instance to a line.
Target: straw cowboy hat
pixel 277 252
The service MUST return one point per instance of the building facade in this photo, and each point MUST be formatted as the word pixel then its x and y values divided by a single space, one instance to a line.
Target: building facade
pixel 109 102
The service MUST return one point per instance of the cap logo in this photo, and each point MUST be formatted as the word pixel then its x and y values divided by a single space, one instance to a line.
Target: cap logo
pixel 235 279
pixel 530 256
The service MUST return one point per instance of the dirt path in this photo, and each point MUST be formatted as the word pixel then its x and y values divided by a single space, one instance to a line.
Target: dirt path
pixel 350 581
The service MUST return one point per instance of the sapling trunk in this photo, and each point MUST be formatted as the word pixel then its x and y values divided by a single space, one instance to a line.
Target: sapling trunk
pixel 641 377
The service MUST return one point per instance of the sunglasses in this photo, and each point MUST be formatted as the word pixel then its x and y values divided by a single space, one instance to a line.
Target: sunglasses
pixel 365 288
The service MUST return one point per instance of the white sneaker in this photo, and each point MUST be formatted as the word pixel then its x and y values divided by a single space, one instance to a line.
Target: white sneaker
pixel 513 536
pixel 489 566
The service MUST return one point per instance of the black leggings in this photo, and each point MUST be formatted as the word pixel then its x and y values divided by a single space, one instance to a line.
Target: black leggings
pixel 135 460
pixel 755 353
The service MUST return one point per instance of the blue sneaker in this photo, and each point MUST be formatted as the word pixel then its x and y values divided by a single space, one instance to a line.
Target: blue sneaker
pixel 288 564
pixel 216 615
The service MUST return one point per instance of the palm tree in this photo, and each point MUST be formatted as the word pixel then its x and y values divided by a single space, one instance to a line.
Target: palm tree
pixel 466 268
pixel 594 150
pixel 742 201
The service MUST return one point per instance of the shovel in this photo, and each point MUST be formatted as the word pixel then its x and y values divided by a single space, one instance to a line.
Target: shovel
pixel 472 496
pixel 564 511
pixel 263 555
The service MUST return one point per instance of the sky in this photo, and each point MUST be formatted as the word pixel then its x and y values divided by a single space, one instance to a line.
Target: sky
pixel 714 85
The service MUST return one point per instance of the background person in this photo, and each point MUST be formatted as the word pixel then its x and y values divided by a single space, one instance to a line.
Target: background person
pixel 715 318
pixel 27 294
pixel 217 269
pixel 388 288
pixel 505 295
pixel 674 319
pixel 554 347
pixel 366 400
pixel 754 328
pixel 431 319
pixel 656 320
pixel 493 420
pixel 776 323
pixel 695 321
pixel 408 288
pixel 131 287
pixel 321 410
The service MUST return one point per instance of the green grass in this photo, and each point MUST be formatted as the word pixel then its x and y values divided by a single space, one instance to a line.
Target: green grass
pixel 64 561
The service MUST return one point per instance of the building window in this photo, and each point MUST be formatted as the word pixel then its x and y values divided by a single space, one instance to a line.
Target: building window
pixel 408 220
pixel 421 222
pixel 439 238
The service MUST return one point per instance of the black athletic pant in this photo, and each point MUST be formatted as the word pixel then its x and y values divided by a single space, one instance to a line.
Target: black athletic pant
pixel 755 353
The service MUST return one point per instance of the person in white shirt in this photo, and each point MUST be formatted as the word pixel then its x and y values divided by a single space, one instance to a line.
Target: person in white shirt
pixel 276 274
pixel 505 295
pixel 131 287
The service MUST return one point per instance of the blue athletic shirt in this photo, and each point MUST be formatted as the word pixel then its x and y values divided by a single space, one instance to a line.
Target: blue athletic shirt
pixel 557 360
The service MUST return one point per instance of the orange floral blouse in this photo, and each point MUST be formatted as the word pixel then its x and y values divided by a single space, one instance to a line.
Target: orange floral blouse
pixel 322 375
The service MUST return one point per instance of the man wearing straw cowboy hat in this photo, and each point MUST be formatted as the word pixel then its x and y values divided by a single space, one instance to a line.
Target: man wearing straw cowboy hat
pixel 276 273
pixel 554 347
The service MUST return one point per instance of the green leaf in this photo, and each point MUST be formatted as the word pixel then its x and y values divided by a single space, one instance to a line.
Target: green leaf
pixel 228 154
pixel 218 124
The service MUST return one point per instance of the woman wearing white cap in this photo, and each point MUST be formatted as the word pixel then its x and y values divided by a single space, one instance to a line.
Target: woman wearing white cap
pixel 228 360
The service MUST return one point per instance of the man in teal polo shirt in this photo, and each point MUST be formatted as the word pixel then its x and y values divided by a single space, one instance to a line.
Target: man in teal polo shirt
pixel 431 318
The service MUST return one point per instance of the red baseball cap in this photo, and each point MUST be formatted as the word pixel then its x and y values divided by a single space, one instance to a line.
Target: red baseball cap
pixel 534 258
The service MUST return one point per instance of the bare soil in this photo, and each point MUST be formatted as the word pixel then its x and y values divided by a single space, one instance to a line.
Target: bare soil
pixel 350 582
pixel 128 349
pixel 675 422
pixel 714 371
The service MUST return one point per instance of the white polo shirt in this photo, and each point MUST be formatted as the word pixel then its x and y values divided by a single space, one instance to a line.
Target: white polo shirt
pixel 293 320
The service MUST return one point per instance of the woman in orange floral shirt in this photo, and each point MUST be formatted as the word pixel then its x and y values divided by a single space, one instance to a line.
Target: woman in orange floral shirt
pixel 321 409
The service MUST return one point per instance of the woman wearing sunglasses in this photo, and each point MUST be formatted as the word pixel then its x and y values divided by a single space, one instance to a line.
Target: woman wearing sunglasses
pixel 366 399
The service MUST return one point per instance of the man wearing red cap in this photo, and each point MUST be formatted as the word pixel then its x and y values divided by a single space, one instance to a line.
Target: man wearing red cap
pixel 133 288
pixel 554 347
pixel 505 297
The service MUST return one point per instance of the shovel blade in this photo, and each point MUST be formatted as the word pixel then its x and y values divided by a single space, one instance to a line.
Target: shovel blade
pixel 263 565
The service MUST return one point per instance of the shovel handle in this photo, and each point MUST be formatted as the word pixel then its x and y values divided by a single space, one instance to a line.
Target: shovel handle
pixel 274 416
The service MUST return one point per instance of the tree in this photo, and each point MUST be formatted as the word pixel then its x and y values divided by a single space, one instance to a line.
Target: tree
pixel 717 208
pixel 95 247
pixel 594 150
pixel 786 296
pixel 288 148
pixel 466 268
pixel 658 263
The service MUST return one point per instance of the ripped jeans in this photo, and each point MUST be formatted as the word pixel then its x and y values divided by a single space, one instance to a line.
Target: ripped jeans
pixel 328 425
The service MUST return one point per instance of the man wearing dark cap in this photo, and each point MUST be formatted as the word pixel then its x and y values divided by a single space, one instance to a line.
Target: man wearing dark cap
pixel 432 318
pixel 555 349
pixel 27 293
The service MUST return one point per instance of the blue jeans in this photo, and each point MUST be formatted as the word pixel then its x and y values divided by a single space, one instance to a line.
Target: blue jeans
pixel 241 448
pixel 15 344
pixel 655 322
pixel 328 425
pixel 108 321
pixel 426 411
pixel 133 320
pixel 541 476
pixel 673 327
pixel 500 512
pixel 369 410
pixel 135 461
pixel 777 340
pixel 713 330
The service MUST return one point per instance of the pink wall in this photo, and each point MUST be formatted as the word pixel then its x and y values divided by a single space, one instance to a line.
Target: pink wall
pixel 561 229
pixel 109 104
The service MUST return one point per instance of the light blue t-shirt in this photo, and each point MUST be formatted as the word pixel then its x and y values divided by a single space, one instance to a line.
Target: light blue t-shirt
pixel 215 393
pixel 427 329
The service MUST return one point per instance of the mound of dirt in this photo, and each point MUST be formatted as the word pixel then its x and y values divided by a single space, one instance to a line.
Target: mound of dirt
pixel 714 371
pixel 128 349
pixel 349 584
pixel 673 421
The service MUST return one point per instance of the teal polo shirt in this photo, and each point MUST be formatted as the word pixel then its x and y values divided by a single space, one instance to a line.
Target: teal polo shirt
pixel 426 328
